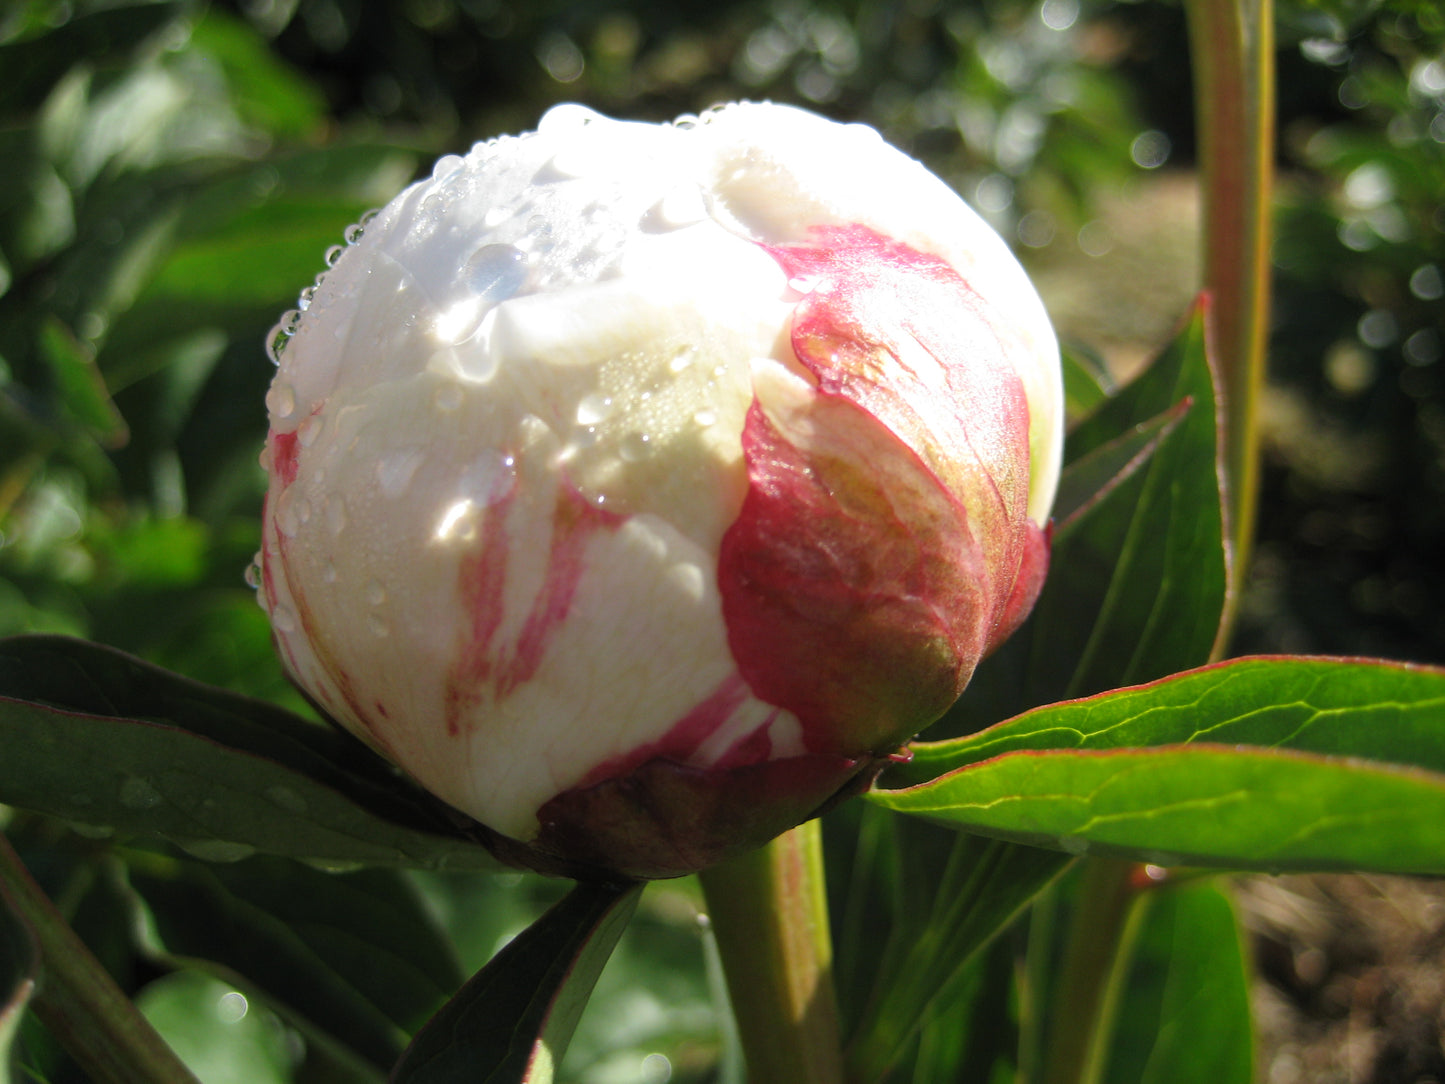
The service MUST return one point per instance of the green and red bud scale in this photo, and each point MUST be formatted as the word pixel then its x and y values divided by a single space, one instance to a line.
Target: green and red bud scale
pixel 639 489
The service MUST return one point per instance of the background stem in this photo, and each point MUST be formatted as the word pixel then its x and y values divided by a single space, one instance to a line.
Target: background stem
pixel 77 999
pixel 769 913
pixel 1101 937
pixel 1232 55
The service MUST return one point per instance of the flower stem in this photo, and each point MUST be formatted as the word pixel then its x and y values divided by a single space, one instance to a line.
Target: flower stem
pixel 1232 56
pixel 77 999
pixel 1102 932
pixel 769 912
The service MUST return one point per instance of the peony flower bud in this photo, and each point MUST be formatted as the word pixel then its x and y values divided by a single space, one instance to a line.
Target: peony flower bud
pixel 639 489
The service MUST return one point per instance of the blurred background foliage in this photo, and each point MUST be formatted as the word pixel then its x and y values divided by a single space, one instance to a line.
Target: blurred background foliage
pixel 174 171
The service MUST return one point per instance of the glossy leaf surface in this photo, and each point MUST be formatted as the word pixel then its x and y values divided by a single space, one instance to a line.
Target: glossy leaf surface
pixel 1258 763
pixel 96 737
pixel 511 1022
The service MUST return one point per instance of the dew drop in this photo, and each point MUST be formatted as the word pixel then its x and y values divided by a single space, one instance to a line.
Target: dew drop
pixel 354 233
pixel 333 254
pixel 495 215
pixel 253 573
pixel 446 165
pixel 704 418
pixel 138 793
pixel 375 593
pixel 309 430
pixel 334 865
pixel 283 619
pixel 216 850
pixel 448 397
pixel 286 798
pixel 335 513
pixel 276 342
pixel 681 207
pixel 682 361
pixel 377 626
pixel 566 117
pixel 635 446
pixel 593 408
pixel 394 472
pixel 287 514
pixel 496 272
pixel 308 295
pixel 281 400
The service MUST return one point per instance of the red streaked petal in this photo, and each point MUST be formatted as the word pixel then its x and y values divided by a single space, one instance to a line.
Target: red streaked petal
pixel 884 538
pixel 852 587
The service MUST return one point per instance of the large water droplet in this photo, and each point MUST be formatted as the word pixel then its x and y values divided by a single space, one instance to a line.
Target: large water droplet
pixel 333 254
pixel 565 117
pixel 138 793
pixel 446 165
pixel 682 360
pixel 281 400
pixel 253 573
pixel 593 408
pixel 496 272
pixel 276 341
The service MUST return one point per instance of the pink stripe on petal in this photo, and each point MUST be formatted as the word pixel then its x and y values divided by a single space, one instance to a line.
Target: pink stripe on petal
pixel 885 524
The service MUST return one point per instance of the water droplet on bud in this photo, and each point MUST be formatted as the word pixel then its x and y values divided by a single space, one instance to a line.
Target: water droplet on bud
pixel 375 593
pixel 446 165
pixel 448 397
pixel 635 446
pixel 281 400
pixel 253 573
pixel 593 408
pixel 377 626
pixel 335 513
pixel 309 430
pixel 283 619
pixel 496 272
pixel 394 472
pixel 704 418
pixel 333 254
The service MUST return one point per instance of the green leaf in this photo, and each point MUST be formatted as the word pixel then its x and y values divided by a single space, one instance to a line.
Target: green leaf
pixel 1093 476
pixel 355 956
pixel 1087 383
pixel 982 887
pixel 80 386
pixel 97 737
pixel 1256 764
pixel 19 966
pixel 1137 583
pixel 512 1020
pixel 1185 1014
pixel 1381 711
pixel 220 1035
